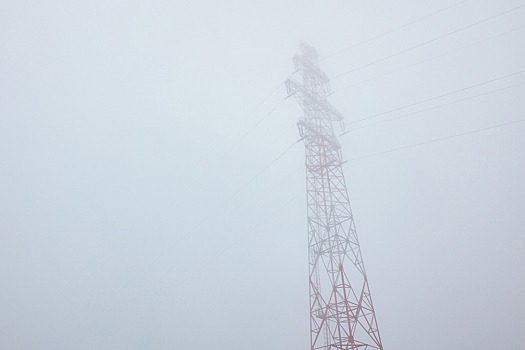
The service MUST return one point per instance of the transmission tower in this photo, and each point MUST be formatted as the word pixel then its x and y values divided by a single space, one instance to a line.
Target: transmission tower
pixel 342 315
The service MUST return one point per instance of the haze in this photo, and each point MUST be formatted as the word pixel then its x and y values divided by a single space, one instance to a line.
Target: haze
pixel 152 191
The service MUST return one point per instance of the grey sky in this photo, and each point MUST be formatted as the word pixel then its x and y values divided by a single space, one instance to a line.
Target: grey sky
pixel 132 212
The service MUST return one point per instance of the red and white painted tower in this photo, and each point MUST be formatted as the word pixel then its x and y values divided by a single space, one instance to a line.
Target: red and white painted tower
pixel 342 315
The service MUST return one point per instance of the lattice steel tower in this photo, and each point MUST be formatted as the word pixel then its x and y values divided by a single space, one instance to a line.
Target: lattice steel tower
pixel 342 315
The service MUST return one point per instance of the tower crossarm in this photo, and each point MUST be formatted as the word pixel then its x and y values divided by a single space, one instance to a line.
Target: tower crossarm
pixel 313 102
pixel 313 133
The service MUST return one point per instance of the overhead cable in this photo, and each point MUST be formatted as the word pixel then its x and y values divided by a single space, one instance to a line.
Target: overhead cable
pixel 434 98
pixel 427 42
pixel 393 30
pixel 431 58
pixel 436 107
pixel 437 140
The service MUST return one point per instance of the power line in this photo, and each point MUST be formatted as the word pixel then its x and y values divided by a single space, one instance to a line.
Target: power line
pixel 437 140
pixel 431 58
pixel 227 201
pixel 433 98
pixel 254 227
pixel 426 42
pixel 239 139
pixel 393 30
pixel 246 184
pixel 436 107
pixel 222 204
pixel 261 120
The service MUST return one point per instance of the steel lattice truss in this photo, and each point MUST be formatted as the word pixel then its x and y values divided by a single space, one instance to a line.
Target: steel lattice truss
pixel 341 311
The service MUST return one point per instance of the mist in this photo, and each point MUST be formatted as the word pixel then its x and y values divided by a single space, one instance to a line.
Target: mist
pixel 152 186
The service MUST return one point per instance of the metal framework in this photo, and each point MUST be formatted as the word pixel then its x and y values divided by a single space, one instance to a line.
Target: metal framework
pixel 342 315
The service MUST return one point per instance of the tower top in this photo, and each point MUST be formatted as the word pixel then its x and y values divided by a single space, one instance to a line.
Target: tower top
pixel 312 91
pixel 307 61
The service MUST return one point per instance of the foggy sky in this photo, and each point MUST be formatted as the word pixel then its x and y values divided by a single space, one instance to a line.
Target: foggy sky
pixel 146 202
